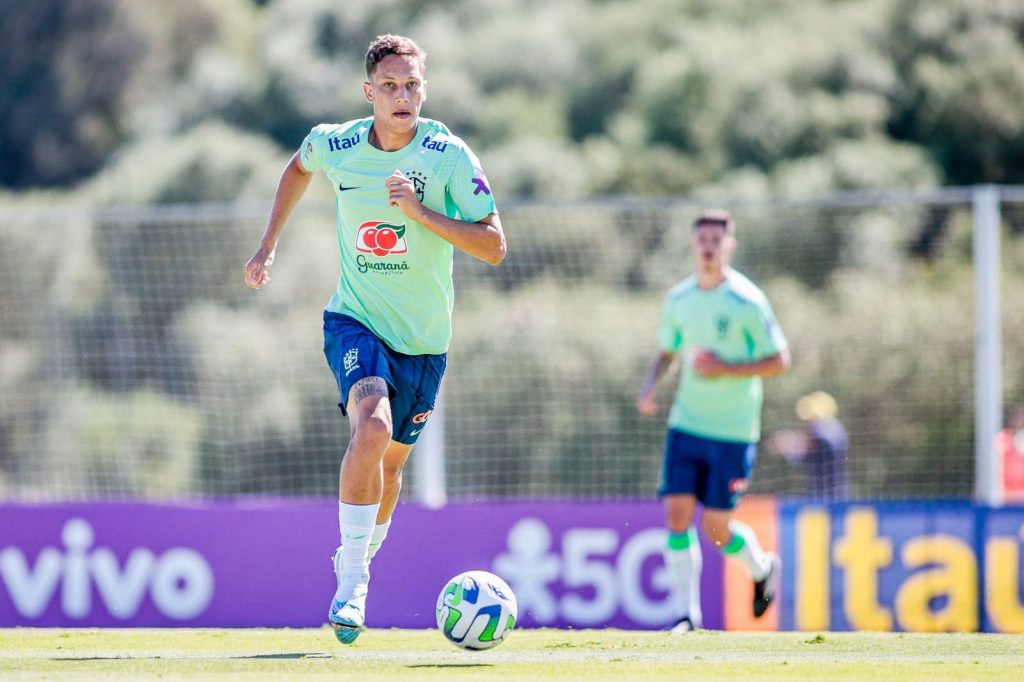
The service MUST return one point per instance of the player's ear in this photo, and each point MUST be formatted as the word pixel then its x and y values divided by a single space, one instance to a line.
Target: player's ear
pixel 368 92
pixel 423 91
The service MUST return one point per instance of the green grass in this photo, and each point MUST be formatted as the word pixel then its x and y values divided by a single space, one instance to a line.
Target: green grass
pixel 535 655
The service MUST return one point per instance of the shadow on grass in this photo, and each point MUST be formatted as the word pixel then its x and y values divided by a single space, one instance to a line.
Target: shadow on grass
pixel 156 658
pixel 105 658
pixel 284 656
pixel 451 665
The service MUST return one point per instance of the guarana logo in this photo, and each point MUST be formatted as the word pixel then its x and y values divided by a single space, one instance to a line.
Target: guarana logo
pixel 381 238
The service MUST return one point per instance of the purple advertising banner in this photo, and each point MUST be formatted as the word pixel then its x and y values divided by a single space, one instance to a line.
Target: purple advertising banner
pixel 152 565
pixel 268 563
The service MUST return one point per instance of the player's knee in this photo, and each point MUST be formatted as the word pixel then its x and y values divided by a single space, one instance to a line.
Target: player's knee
pixel 393 479
pixel 374 431
pixel 393 472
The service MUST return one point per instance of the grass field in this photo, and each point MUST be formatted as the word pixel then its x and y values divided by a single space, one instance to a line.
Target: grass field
pixel 592 655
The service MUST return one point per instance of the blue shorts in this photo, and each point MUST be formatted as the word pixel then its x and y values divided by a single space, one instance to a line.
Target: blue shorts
pixel 716 471
pixel 354 353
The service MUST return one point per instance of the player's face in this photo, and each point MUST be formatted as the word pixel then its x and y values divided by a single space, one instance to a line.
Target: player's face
pixel 712 246
pixel 397 91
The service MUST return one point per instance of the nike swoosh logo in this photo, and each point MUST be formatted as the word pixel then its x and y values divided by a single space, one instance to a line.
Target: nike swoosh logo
pixel 413 433
pixel 343 188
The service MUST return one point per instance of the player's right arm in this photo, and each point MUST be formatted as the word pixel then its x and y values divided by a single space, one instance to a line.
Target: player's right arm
pixel 290 188
pixel 646 401
pixel 670 342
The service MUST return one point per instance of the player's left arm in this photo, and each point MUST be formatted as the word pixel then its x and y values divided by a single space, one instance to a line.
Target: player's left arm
pixel 707 363
pixel 483 239
pixel 768 346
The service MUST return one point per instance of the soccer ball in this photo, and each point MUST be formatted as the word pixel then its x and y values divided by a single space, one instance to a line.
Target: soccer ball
pixel 476 610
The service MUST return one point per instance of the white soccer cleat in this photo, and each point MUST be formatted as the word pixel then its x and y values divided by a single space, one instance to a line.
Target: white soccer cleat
pixel 683 626
pixel 336 562
pixel 347 614
pixel 348 618
pixel 766 588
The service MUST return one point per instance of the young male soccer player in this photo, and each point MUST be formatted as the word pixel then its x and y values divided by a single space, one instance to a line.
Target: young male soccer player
pixel 408 192
pixel 722 328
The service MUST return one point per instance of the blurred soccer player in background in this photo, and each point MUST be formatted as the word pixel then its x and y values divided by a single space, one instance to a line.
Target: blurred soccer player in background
pixel 721 327
pixel 822 447
pixel 408 193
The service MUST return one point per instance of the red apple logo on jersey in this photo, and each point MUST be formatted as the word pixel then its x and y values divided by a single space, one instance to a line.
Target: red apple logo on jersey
pixel 381 239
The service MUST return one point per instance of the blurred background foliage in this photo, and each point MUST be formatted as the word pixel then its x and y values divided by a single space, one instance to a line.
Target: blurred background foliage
pixel 140 327
pixel 568 99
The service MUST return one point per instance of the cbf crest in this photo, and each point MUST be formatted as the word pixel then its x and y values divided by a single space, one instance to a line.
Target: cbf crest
pixel 419 183
pixel 723 326
pixel 351 360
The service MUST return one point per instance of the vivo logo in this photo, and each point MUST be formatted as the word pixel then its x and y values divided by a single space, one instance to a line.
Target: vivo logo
pixel 179 581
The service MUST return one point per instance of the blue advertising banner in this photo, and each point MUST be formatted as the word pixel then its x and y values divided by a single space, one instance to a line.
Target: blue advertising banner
pixel 1003 575
pixel 915 567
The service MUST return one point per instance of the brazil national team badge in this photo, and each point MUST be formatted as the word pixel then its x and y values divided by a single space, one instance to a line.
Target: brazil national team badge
pixel 419 183
pixel 723 326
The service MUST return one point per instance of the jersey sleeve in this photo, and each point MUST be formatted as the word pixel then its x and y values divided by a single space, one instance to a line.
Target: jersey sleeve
pixel 670 336
pixel 313 148
pixel 468 188
pixel 764 332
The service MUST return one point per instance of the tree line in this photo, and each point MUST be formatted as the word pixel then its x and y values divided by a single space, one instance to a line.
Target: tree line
pixel 587 98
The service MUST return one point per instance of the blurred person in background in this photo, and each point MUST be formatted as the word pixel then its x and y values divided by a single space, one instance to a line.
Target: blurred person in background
pixel 822 447
pixel 721 327
pixel 408 193
pixel 1010 447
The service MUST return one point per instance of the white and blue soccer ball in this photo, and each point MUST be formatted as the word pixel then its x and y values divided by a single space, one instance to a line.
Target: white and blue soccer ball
pixel 476 610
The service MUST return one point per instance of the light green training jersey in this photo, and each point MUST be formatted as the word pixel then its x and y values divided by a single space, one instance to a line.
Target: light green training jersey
pixel 396 275
pixel 735 321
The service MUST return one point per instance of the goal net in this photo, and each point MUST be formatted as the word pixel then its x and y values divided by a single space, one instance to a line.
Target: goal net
pixel 135 364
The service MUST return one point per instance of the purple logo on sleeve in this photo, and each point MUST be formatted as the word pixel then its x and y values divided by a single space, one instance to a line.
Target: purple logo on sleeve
pixel 481 186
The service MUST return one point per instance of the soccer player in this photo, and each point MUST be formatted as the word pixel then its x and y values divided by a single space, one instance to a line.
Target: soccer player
pixel 722 329
pixel 408 193
pixel 822 447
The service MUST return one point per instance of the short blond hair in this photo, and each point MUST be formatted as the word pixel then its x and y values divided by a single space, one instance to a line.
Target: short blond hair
pixel 817 405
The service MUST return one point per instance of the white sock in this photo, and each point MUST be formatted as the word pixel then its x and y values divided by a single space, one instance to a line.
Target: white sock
pixel 745 548
pixel 685 561
pixel 380 531
pixel 357 523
